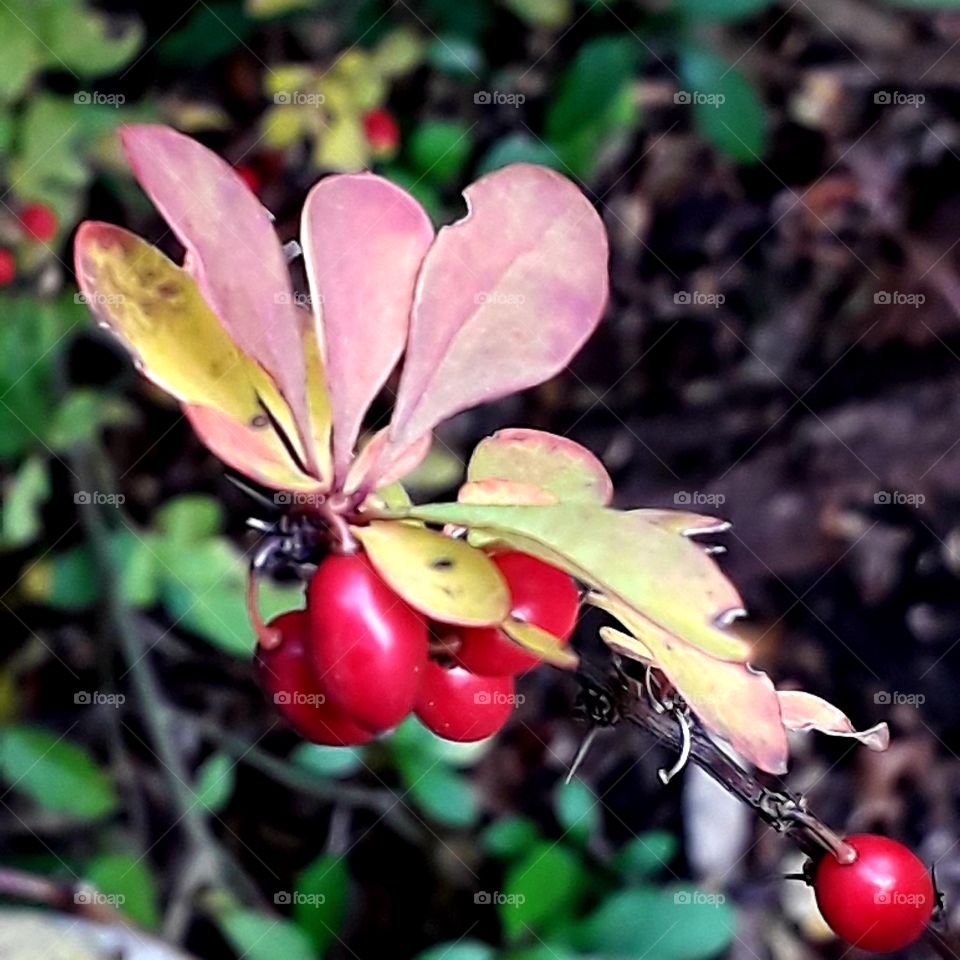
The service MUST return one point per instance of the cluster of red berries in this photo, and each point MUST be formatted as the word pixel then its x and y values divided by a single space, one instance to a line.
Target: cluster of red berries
pixel 37 223
pixel 358 659
pixel 882 900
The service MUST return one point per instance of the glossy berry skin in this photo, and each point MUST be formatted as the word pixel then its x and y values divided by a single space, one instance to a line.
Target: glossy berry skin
pixel 39 222
pixel 8 268
pixel 540 594
pixel 287 674
pixel 458 705
pixel 381 130
pixel 882 901
pixel 369 647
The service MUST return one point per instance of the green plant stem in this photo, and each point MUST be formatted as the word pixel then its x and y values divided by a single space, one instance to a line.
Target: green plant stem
pixel 203 855
pixel 296 778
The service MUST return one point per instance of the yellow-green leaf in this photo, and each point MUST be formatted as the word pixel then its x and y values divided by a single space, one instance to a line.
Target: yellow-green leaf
pixel 666 578
pixel 444 578
pixel 560 466
pixel 626 645
pixel 540 643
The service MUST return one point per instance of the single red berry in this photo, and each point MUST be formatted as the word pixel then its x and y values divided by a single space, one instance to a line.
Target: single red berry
pixel 458 705
pixel 39 222
pixel 381 130
pixel 287 674
pixel 369 647
pixel 249 176
pixel 540 594
pixel 882 901
pixel 8 268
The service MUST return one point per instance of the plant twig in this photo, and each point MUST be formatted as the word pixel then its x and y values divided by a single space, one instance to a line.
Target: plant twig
pixel 627 699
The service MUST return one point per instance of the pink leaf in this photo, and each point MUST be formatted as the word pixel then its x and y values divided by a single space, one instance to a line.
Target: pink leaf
pixel 804 711
pixel 506 297
pixel 255 452
pixel 232 252
pixel 379 464
pixel 363 242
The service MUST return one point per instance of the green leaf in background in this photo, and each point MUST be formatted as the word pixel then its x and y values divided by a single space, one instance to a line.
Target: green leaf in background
pixel 23 54
pixel 328 761
pixel 83 414
pixel 321 900
pixel 34 337
pixel 190 518
pixel 542 951
pixel 136 566
pixel 55 773
pixel 645 855
pixel 673 924
pixel 548 14
pixel 127 876
pixel 24 495
pixel 204 590
pixel 439 149
pixel 698 10
pixel 215 781
pixel 542 890
pixel 443 794
pixel 593 100
pixel 728 111
pixel 459 950
pixel 509 837
pixel 78 39
pixel 211 31
pixel 518 147
pixel 455 56
pixel 64 581
pixel 578 810
pixel 467 19
pixel 258 936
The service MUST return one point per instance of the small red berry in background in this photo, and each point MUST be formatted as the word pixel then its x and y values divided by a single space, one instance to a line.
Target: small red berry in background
pixel 8 268
pixel 249 176
pixel 369 647
pixel 286 673
pixel 540 594
pixel 39 222
pixel 381 130
pixel 458 705
pixel 882 901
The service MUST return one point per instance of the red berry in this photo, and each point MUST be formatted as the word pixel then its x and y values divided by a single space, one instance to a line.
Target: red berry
pixel 368 646
pixel 249 176
pixel 458 705
pixel 882 901
pixel 8 268
pixel 541 595
pixel 381 130
pixel 39 222
pixel 287 674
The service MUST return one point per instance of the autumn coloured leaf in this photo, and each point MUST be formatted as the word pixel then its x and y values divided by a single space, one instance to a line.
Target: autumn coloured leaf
pixel 237 260
pixel 661 574
pixel 568 471
pixel 805 711
pixel 362 282
pixel 446 579
pixel 731 699
pixel 156 307
pixel 487 325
